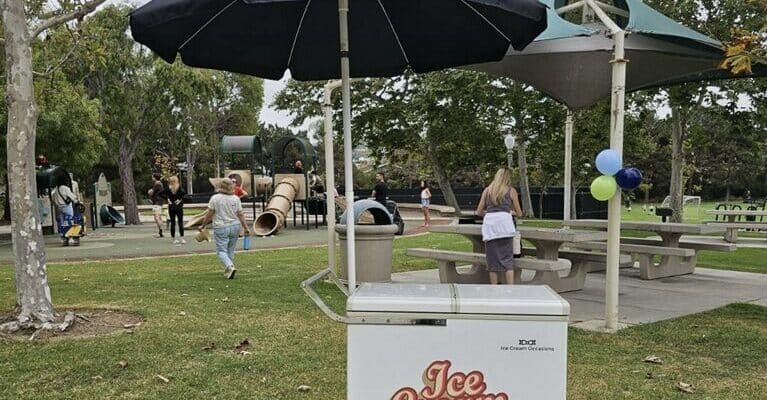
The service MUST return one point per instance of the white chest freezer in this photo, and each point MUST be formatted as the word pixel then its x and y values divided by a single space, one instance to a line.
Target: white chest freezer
pixel 437 341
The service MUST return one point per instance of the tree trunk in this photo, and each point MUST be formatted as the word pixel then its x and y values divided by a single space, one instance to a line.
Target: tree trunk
pixel 125 167
pixel 574 203
pixel 678 122
pixel 32 292
pixel 524 182
pixel 439 173
pixel 190 161
pixel 7 205
pixel 727 193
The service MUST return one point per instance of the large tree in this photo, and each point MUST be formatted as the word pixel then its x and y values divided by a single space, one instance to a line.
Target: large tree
pixel 23 21
pixel 453 119
pixel 715 18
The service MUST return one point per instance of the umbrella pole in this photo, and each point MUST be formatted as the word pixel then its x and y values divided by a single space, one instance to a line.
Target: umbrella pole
pixel 614 210
pixel 568 163
pixel 351 258
pixel 330 179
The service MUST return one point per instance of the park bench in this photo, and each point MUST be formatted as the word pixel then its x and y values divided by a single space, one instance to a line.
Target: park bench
pixel 546 271
pixel 673 260
pixel 582 262
pixel 733 227
pixel 684 243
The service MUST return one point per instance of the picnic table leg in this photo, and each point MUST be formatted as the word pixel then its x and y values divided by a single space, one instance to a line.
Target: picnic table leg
pixel 449 274
pixel 731 235
pixel 668 265
pixel 548 250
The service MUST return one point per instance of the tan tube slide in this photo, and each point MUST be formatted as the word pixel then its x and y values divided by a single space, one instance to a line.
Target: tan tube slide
pixel 272 219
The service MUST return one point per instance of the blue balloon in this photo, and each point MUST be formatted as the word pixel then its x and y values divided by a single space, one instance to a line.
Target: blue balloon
pixel 608 162
pixel 629 178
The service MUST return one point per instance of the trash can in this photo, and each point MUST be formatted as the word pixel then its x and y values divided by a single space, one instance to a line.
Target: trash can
pixel 374 239
pixel 456 342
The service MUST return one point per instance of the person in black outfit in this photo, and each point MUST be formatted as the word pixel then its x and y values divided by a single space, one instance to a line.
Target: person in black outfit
pixel 298 167
pixel 176 209
pixel 381 190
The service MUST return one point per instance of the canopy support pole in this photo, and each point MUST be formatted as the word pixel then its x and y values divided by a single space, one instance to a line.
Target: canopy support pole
pixel 569 123
pixel 618 104
pixel 351 257
pixel 330 179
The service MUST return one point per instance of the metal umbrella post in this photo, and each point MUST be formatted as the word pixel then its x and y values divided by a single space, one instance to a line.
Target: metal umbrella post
pixel 330 179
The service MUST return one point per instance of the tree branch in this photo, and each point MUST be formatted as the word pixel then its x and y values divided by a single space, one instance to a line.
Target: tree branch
pixel 53 21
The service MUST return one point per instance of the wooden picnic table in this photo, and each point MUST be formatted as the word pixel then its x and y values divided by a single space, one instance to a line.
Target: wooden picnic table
pixel 670 234
pixel 547 242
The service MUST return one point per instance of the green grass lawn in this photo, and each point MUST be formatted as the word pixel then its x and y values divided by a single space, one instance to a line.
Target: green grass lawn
pixel 723 352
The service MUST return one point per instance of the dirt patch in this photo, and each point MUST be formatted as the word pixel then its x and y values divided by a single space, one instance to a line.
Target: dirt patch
pixel 88 323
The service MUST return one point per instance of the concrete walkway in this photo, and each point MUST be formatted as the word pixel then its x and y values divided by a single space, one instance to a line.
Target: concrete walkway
pixel 642 301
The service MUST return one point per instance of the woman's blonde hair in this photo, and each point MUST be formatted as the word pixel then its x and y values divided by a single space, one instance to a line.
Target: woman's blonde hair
pixel 226 186
pixel 500 186
pixel 173 184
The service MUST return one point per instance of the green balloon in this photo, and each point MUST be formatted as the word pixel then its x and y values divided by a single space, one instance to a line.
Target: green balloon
pixel 604 188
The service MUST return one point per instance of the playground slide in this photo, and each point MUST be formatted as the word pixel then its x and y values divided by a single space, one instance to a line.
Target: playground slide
pixel 110 216
pixel 272 219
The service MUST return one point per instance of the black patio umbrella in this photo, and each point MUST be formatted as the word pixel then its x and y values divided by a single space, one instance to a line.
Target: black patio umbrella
pixel 372 38
pixel 266 37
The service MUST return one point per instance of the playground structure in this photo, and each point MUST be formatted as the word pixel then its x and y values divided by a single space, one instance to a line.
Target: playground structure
pixel 291 185
pixel 250 173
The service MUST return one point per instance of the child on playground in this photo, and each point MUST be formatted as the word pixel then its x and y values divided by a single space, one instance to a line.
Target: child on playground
pixel 425 201
pixel 176 209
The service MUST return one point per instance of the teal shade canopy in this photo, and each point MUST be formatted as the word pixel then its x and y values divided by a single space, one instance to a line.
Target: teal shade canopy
pixel 572 63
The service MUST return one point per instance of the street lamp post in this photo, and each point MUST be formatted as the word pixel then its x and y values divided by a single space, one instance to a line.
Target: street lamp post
pixel 509 141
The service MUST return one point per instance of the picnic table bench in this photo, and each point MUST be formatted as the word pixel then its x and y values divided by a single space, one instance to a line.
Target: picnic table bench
pixel 645 255
pixel 675 258
pixel 546 271
pixel 732 225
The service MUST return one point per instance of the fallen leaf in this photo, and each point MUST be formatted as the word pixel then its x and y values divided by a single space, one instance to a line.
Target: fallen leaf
pixel 162 378
pixel 304 388
pixel 97 378
pixel 685 387
pixel 131 326
pixel 122 364
pixel 184 295
pixel 244 345
pixel 263 379
pixel 225 299
pixel 653 360
pixel 210 346
pixel 245 353
pixel 182 313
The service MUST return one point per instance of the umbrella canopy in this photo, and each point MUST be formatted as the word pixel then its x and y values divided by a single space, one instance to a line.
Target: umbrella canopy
pixel 266 37
pixel 571 63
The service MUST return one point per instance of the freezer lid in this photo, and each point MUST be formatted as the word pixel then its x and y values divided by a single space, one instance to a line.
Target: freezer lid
pixel 457 299
pixel 510 300
pixel 393 297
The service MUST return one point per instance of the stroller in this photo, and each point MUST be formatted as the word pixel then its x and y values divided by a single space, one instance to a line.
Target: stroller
pixel 391 206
